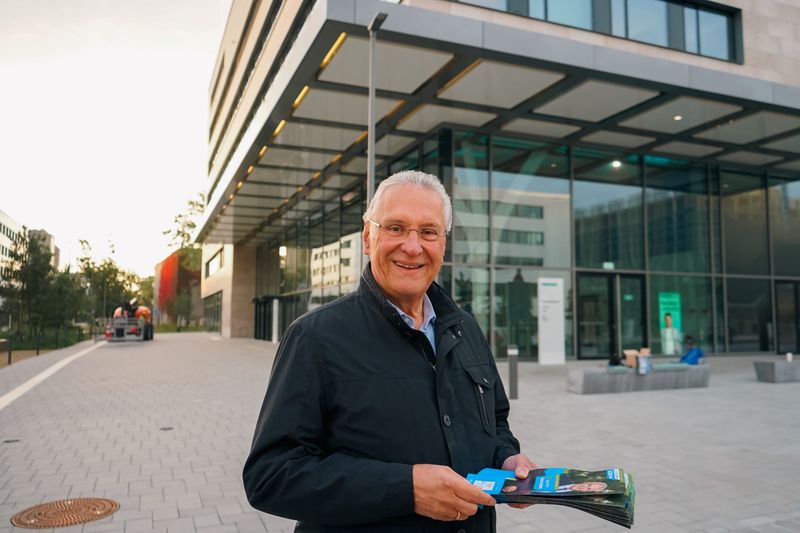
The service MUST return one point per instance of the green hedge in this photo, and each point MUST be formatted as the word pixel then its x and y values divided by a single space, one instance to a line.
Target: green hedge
pixel 48 340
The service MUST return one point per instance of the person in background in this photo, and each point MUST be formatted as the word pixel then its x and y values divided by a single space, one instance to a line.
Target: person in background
pixel 670 337
pixel 693 354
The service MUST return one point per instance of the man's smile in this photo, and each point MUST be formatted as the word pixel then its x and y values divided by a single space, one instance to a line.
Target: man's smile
pixel 408 266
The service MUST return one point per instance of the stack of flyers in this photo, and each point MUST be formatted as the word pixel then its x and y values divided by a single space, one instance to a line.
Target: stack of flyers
pixel 608 494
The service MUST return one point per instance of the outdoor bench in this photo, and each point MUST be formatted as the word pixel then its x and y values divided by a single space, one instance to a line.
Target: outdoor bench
pixel 777 371
pixel 598 380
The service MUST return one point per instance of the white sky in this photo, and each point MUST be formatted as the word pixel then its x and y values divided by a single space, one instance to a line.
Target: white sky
pixel 104 119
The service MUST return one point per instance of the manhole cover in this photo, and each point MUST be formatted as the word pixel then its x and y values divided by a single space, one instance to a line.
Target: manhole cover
pixel 65 513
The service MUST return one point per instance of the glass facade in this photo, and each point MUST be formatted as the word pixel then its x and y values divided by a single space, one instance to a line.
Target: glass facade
pixel 651 250
pixel 784 222
pixel 608 210
pixel 212 312
pixel 677 24
pixel 676 203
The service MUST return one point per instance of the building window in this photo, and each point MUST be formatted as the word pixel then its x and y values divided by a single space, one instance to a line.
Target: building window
pixel 212 312
pixel 215 263
pixel 697 28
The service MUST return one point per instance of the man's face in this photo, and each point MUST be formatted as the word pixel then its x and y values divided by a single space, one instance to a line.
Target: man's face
pixel 405 267
pixel 589 486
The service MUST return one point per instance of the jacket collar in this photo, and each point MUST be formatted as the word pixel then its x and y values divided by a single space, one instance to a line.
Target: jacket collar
pixel 447 312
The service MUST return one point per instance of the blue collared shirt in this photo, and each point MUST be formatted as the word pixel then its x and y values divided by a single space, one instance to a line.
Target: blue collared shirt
pixel 428 317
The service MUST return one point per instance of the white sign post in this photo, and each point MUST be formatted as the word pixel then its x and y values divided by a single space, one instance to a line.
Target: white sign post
pixel 551 321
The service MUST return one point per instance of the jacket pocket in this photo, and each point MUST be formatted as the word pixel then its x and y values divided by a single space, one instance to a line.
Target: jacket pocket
pixel 483 383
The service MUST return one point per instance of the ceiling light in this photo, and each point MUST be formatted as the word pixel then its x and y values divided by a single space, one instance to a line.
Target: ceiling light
pixel 616 164
pixel 300 97
pixel 333 50
pixel 262 151
pixel 677 118
pixel 239 185
pixel 278 129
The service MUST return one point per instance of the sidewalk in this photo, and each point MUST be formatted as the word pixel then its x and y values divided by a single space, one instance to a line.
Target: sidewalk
pixel 163 428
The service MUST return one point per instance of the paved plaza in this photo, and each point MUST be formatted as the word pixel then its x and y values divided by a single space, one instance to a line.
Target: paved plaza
pixel 164 427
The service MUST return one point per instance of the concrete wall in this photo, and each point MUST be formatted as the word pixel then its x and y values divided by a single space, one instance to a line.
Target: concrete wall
pixel 237 281
pixel 771 31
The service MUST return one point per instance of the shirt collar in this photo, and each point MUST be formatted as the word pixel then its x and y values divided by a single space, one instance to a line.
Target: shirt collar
pixel 428 314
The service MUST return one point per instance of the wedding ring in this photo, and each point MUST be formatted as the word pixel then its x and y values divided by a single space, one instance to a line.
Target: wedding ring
pixel 459 516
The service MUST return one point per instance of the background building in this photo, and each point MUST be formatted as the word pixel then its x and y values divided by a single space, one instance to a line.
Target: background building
pixel 10 232
pixel 48 242
pixel 645 152
pixel 178 277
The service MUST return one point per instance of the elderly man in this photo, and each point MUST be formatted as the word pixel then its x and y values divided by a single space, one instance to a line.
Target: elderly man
pixel 381 401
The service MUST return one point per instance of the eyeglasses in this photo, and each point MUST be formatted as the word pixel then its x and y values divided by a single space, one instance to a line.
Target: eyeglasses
pixel 399 231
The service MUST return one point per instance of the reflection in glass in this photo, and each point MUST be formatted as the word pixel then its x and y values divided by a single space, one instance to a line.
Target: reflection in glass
pixel 647 21
pixel 677 211
pixel 631 312
pixel 577 13
pixel 749 327
pixel 784 225
pixel 407 161
pixel 720 312
pixel 594 307
pixel 530 203
pixel 516 313
pixel 744 214
pixel 716 222
pixel 690 29
pixel 471 293
pixel 787 315
pixel 619 20
pixel 445 278
pixel 350 246
pixel 715 34
pixel 687 299
pixel 471 198
pixel 607 199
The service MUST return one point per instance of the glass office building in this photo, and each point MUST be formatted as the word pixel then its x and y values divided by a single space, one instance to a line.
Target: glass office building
pixel 665 202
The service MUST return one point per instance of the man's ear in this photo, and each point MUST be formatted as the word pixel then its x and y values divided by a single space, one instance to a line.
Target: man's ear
pixel 365 238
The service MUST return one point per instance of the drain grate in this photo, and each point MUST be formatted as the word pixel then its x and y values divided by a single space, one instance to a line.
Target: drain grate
pixel 63 513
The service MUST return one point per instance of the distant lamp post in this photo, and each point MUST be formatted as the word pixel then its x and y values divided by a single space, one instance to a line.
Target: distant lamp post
pixel 373 28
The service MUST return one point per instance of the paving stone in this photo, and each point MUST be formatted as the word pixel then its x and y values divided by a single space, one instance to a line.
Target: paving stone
pixel 93 429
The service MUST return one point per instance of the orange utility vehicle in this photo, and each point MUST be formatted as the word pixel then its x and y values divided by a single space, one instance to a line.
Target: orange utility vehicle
pixel 131 322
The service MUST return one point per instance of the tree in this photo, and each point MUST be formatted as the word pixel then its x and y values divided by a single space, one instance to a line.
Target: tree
pixel 68 302
pixel 146 295
pixel 108 286
pixel 24 293
pixel 184 225
pixel 181 307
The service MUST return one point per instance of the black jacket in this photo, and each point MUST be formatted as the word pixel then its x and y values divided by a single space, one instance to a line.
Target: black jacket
pixel 353 403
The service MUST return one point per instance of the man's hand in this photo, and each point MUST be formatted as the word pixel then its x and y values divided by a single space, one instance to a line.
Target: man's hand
pixel 441 494
pixel 521 466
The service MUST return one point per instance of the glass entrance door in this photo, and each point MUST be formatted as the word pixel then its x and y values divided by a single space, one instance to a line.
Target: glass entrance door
pixel 611 315
pixel 788 316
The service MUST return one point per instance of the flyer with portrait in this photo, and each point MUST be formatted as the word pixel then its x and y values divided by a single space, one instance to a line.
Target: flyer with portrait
pixel 607 494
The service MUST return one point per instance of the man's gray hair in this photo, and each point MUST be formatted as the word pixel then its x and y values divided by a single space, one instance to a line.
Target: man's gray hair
pixel 412 177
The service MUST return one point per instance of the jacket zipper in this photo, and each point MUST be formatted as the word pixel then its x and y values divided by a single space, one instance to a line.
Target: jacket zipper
pixel 483 404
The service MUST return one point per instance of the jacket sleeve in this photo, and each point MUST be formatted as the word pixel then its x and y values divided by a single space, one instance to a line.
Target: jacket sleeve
pixel 290 473
pixel 506 444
